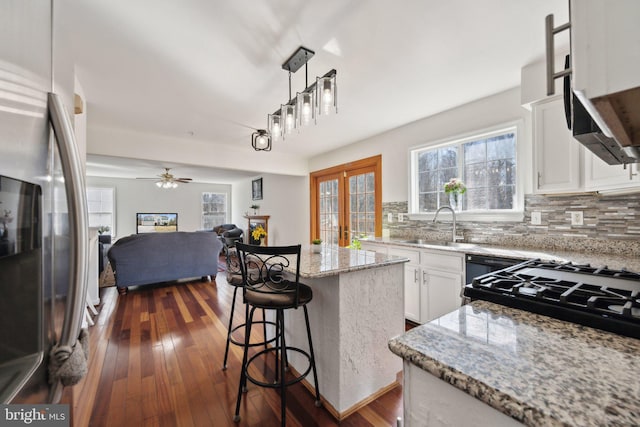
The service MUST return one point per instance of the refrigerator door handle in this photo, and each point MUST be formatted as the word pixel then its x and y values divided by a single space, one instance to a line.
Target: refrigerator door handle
pixel 77 206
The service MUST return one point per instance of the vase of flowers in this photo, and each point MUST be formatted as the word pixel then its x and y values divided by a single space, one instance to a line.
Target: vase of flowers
pixel 455 188
pixel 259 234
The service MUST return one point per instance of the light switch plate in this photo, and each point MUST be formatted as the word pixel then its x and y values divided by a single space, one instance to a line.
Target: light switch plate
pixel 536 218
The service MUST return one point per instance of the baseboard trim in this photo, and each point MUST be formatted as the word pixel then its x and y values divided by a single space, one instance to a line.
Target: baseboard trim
pixel 340 416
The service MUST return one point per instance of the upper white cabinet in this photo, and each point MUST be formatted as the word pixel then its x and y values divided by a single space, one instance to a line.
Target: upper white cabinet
pixel 605 46
pixel 557 154
pixel 599 176
pixel 562 165
pixel 605 51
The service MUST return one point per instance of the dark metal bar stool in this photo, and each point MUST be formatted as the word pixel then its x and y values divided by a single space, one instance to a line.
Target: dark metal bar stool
pixel 268 288
pixel 234 278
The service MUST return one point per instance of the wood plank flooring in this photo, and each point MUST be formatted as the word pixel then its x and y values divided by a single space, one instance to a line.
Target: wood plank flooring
pixel 156 360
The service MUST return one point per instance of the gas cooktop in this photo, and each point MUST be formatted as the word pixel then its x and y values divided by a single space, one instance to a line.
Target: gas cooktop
pixel 596 297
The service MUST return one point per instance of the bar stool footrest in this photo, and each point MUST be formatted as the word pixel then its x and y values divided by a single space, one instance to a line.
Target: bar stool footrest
pixel 277 384
pixel 259 322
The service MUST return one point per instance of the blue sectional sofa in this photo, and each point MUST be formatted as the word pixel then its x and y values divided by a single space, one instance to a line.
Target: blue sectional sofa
pixel 142 259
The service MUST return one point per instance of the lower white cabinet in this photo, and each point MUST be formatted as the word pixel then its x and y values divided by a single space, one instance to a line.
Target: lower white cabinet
pixel 442 282
pixel 412 280
pixel 433 281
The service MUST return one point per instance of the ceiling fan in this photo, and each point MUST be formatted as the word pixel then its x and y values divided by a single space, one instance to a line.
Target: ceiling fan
pixel 167 180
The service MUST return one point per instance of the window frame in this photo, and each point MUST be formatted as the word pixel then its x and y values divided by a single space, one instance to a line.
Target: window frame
pixel 113 212
pixel 227 207
pixel 510 215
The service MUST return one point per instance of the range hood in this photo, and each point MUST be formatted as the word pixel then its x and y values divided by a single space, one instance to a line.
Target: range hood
pixel 606 119
pixel 613 136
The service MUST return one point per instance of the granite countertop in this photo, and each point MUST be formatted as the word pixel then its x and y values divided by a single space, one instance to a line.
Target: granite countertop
pixel 587 254
pixel 333 260
pixel 536 369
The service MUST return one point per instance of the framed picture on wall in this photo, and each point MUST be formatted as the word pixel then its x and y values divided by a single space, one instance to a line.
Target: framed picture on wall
pixel 256 189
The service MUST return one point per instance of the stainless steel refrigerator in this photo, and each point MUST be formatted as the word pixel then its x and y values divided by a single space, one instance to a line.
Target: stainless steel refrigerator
pixel 43 220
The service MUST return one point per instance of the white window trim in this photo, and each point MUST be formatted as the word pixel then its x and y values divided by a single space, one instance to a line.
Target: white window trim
pixel 522 174
pixel 227 213
pixel 114 215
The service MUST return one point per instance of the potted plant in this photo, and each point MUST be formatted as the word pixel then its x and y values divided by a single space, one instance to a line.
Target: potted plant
pixel 255 208
pixel 258 234
pixel 316 245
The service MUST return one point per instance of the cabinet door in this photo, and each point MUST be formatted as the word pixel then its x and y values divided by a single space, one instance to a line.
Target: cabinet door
pixel 598 175
pixel 412 292
pixel 411 281
pixel 442 291
pixel 557 154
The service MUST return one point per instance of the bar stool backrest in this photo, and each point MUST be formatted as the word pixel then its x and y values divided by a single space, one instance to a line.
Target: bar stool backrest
pixel 263 268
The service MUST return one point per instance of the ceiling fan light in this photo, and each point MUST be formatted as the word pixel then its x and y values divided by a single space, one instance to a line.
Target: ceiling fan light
pixel 261 140
pixel 159 184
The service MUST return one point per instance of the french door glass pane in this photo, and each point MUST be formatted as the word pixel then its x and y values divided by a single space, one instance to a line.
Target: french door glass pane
pixel 361 206
pixel 329 211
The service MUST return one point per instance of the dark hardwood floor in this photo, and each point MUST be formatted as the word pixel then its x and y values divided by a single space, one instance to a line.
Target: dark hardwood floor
pixel 156 360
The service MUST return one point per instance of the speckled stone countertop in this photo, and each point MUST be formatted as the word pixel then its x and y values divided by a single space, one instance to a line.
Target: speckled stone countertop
pixel 333 260
pixel 536 369
pixel 586 255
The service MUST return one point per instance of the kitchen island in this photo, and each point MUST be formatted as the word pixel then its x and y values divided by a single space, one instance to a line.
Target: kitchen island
pixel 357 308
pixel 529 368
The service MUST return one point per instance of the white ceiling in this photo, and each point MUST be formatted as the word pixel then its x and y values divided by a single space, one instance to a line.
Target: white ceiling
pixel 211 69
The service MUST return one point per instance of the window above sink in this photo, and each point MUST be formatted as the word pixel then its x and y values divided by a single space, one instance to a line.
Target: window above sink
pixel 486 161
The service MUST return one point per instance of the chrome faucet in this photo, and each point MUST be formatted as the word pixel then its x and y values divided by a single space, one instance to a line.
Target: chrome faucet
pixel 454 236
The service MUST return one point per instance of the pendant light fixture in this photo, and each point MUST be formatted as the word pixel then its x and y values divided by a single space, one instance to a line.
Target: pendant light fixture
pixel 261 140
pixel 319 99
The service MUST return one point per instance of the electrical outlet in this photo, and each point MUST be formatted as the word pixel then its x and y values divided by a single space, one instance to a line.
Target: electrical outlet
pixel 577 218
pixel 536 218
pixel 400 217
pixel 389 217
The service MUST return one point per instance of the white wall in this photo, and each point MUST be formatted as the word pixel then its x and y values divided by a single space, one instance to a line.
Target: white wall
pixel 133 196
pixel 394 145
pixel 285 199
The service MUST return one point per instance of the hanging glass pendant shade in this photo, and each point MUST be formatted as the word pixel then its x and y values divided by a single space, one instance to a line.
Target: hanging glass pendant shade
pixel 306 108
pixel 275 126
pixel 326 94
pixel 288 113
pixel 261 140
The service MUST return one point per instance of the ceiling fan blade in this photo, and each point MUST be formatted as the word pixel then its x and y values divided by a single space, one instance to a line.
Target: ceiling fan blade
pixel 184 181
pixel 148 178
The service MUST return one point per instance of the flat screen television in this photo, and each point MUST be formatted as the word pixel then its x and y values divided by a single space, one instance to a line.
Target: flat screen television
pixel 156 222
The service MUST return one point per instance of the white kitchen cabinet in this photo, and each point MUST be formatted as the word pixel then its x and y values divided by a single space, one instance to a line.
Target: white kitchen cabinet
pixel 412 279
pixel 366 245
pixel 558 158
pixel 442 281
pixel 600 176
pixel 605 40
pixel 433 280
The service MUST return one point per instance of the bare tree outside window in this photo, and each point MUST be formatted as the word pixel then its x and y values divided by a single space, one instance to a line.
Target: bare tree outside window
pixel 214 210
pixel 486 164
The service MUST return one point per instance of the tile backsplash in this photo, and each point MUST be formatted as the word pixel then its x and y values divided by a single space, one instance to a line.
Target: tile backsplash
pixel 611 224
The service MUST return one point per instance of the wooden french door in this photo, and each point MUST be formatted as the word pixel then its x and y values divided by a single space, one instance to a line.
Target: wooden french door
pixel 346 201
